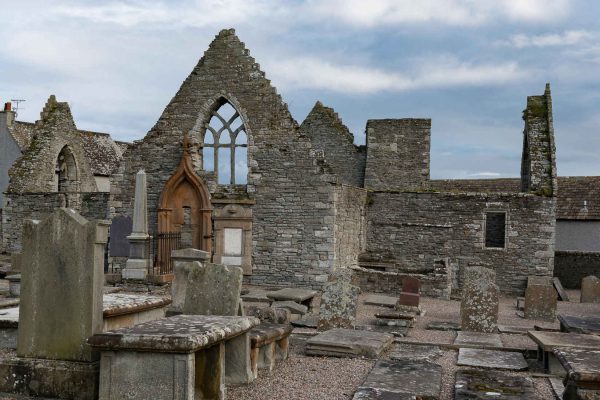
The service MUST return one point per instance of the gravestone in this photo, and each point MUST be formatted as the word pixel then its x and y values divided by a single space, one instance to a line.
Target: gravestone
pixel 139 261
pixel 213 289
pixel 183 263
pixel 409 296
pixel 120 228
pixel 479 305
pixel 590 289
pixel 61 289
pixel 339 302
pixel 540 299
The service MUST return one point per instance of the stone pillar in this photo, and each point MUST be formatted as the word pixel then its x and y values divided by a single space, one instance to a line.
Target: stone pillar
pixel 139 259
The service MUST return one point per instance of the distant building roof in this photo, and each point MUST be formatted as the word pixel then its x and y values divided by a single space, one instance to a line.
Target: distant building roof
pixel 578 198
pixel 22 132
pixel 500 185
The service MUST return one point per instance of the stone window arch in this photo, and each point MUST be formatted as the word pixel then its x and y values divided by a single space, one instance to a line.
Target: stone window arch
pixel 66 173
pixel 225 146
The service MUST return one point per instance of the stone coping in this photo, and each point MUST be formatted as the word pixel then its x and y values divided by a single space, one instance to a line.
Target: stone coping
pixel 121 303
pixel 548 341
pixel 582 365
pixel 266 333
pixel 178 334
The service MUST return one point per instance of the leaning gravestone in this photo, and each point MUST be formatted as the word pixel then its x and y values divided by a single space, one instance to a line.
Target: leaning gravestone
pixel 540 301
pixel 120 228
pixel 213 289
pixel 338 302
pixel 61 292
pixel 479 306
pixel 590 289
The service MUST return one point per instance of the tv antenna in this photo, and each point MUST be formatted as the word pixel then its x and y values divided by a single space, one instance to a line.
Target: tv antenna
pixel 17 108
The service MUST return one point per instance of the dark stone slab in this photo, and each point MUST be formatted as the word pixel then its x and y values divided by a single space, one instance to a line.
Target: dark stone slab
pixel 582 366
pixel 292 294
pixel 395 315
pixel 443 326
pixel 179 334
pixel 478 339
pixel 401 380
pixel 482 358
pixel 548 341
pixel 579 324
pixel 416 352
pixel 560 290
pixel 488 384
pixel 411 285
pixel 256 297
pixel 118 244
pixel 380 300
pixel 409 299
pixel 513 329
pixel 310 321
pixel 348 343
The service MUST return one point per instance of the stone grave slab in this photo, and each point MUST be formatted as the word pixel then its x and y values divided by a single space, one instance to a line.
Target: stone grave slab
pixel 495 359
pixel 401 380
pixel 417 352
pixel 292 294
pixel 396 331
pixel 583 372
pixel 480 301
pixel 339 302
pixel 579 323
pixel 490 384
pixel 514 329
pixel 256 297
pixel 295 308
pixel 309 321
pixel 380 300
pixel 560 290
pixel 548 341
pixel 478 339
pixel 540 302
pixel 395 315
pixel 590 289
pixel 213 289
pixel 120 228
pixel 393 322
pixel 348 343
pixel 443 326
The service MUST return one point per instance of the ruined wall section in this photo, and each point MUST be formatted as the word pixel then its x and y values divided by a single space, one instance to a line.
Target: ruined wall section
pixel 328 133
pixel 411 232
pixel 397 154
pixel 538 162
pixel 290 189
pixel 350 225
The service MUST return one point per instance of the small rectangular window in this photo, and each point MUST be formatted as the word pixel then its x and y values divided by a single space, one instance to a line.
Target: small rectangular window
pixel 495 229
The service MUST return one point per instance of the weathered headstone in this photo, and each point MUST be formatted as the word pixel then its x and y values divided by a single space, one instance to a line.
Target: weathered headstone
pixel 139 261
pixel 540 302
pixel 339 302
pixel 590 289
pixel 410 294
pixel 213 289
pixel 120 227
pixel 479 306
pixel 560 290
pixel 183 263
pixel 61 287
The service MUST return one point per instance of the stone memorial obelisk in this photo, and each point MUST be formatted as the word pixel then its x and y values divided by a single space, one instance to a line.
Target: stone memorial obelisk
pixel 139 260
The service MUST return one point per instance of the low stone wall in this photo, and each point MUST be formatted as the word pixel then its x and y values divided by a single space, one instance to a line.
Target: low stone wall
pixel 572 266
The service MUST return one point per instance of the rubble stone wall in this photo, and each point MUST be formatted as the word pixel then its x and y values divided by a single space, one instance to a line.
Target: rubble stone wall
pixel 350 225
pixel 572 266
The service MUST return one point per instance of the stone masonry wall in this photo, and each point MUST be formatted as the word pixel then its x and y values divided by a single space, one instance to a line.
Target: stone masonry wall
pixel 397 154
pixel 290 186
pixel 328 133
pixel 411 231
pixel 350 225
pixel 572 266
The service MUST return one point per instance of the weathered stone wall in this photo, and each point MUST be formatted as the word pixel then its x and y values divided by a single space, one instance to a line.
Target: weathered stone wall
pixel 9 150
pixel 397 154
pixel 290 189
pixel 572 266
pixel 328 133
pixel 411 231
pixel 350 225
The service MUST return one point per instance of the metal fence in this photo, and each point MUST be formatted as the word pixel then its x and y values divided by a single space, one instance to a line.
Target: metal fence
pixel 163 244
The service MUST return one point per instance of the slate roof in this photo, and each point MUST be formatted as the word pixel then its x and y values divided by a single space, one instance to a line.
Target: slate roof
pixel 22 132
pixel 500 185
pixel 572 192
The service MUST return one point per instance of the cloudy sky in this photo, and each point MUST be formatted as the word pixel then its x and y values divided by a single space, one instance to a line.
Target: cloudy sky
pixel 467 64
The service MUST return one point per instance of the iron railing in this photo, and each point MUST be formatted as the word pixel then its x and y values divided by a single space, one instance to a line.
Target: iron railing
pixel 163 244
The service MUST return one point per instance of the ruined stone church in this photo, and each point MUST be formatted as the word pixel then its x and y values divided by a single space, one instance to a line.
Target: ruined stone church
pixel 231 172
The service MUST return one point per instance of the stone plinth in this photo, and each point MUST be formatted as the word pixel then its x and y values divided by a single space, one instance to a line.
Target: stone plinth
pixel 61 287
pixel 590 289
pixel 479 306
pixel 348 343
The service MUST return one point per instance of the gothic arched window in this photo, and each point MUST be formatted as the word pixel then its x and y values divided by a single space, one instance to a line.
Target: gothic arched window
pixel 66 171
pixel 225 146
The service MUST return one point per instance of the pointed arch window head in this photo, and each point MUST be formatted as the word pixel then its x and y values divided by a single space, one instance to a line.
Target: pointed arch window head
pixel 225 146
pixel 65 173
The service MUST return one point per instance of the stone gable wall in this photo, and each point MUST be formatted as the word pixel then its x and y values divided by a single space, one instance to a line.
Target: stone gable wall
pixel 410 232
pixel 290 185
pixel 397 154
pixel 328 133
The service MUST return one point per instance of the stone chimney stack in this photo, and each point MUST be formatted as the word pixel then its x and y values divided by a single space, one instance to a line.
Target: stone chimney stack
pixel 7 117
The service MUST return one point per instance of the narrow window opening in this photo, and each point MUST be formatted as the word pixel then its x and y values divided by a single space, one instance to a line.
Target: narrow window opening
pixel 495 230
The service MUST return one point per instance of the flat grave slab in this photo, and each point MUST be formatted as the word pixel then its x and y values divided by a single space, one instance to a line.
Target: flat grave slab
pixel 495 359
pixel 348 343
pixel 443 326
pixel 395 315
pixel 310 321
pixel 547 341
pixel 295 308
pixel 579 324
pixel 380 300
pixel 393 322
pixel 416 352
pixel 514 329
pixel 489 384
pixel 292 294
pixel 562 293
pixel 478 339
pixel 582 366
pixel 114 304
pixel 256 297
pixel 401 380
pixel 397 331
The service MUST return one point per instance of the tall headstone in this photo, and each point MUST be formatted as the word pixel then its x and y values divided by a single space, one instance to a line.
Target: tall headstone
pixel 479 306
pixel 590 289
pixel 338 302
pixel 183 263
pixel 62 280
pixel 139 260
pixel 540 299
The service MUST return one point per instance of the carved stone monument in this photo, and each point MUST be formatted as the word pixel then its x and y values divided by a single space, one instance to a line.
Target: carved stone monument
pixel 139 260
